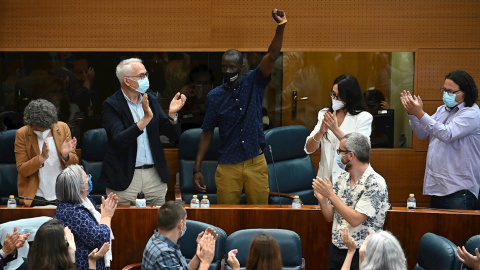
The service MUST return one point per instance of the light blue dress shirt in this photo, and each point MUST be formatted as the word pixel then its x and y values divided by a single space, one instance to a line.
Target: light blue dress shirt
pixel 453 158
pixel 144 153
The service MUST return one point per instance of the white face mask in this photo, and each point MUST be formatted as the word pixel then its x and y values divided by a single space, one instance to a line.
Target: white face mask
pixel 337 104
pixel 42 135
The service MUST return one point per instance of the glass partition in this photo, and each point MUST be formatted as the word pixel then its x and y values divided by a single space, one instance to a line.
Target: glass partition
pixel 78 82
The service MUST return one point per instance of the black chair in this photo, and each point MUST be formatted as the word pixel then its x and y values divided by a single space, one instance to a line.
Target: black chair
pixel 94 147
pixel 436 252
pixel 188 244
pixel 293 168
pixel 187 152
pixel 8 166
pixel 289 242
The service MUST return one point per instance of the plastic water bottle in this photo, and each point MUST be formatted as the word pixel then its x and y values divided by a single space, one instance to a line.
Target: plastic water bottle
pixel 195 203
pixel 140 201
pixel 205 203
pixel 296 202
pixel 411 202
pixel 12 203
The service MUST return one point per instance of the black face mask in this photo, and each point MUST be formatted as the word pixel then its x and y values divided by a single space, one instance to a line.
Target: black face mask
pixel 230 77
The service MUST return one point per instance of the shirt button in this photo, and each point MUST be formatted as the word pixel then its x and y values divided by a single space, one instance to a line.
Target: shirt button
pixel 240 109
pixel 236 99
pixel 243 141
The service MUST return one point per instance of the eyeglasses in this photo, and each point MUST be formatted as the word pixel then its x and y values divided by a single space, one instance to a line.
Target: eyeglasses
pixel 342 151
pixel 449 91
pixel 333 95
pixel 141 76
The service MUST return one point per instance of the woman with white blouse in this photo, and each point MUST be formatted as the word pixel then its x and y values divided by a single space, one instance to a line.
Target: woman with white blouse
pixel 347 113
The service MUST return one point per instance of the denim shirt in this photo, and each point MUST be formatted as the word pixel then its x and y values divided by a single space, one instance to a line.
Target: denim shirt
pixel 238 113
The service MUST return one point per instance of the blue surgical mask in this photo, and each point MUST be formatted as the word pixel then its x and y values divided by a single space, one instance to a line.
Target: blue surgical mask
pixel 90 185
pixel 340 163
pixel 143 85
pixel 449 100
pixel 183 232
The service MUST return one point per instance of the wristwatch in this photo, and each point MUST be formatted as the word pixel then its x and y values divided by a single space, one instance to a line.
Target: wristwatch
pixel 175 118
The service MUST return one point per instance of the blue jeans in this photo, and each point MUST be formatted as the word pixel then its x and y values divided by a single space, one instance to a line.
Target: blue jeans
pixel 463 200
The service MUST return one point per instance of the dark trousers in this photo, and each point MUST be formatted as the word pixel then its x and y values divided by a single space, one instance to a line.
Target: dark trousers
pixel 40 201
pixel 463 200
pixel 337 256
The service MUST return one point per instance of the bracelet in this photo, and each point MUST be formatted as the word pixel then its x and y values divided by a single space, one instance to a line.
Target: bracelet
pixel 313 137
pixel 283 22
pixel 195 171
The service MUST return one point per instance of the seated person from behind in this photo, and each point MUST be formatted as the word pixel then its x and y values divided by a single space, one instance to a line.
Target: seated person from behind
pixel 379 251
pixel 12 242
pixel 54 248
pixel 264 254
pixel 162 251
pixel 358 200
pixel 77 210
pixel 375 100
pixel 43 148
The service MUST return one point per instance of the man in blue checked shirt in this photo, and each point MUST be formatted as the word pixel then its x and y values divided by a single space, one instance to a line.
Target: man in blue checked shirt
pixel 236 106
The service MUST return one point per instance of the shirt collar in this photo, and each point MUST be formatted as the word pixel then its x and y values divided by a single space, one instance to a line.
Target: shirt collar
pixel 166 240
pixel 128 99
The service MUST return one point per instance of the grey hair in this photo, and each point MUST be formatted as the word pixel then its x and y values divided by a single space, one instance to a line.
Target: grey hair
pixel 384 252
pixel 41 113
pixel 70 184
pixel 359 144
pixel 124 68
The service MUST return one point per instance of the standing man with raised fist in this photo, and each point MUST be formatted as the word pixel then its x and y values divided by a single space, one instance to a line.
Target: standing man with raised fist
pixel 236 106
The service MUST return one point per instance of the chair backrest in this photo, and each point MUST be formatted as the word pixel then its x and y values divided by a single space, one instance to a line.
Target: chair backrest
pixel 471 245
pixel 187 152
pixel 291 165
pixel 8 166
pixel 289 242
pixel 188 244
pixel 94 147
pixel 436 252
pixel 26 225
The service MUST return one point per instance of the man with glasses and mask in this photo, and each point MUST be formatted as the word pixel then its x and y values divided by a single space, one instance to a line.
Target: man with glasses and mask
pixel 452 174
pixel 133 119
pixel 358 200
pixel 236 106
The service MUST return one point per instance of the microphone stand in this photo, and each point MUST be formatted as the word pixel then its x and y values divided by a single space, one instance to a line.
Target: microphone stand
pixel 275 174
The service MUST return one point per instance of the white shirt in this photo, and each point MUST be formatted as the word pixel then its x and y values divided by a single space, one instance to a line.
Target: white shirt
pixel 49 172
pixel 361 123
pixel 368 196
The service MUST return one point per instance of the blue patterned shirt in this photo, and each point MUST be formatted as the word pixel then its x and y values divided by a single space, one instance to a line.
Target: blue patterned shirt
pixel 161 253
pixel 86 230
pixel 241 138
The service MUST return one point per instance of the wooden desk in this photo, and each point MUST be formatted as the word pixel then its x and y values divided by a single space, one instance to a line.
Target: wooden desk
pixel 133 227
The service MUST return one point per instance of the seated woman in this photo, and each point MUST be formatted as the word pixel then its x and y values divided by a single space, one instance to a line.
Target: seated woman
pixel 264 254
pixel 379 251
pixel 77 210
pixel 43 148
pixel 54 248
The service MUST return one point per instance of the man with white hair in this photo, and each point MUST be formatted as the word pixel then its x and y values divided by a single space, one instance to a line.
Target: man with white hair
pixel 358 200
pixel 133 119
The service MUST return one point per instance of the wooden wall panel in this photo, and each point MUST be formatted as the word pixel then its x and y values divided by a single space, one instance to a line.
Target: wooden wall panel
pixel 434 64
pixel 202 25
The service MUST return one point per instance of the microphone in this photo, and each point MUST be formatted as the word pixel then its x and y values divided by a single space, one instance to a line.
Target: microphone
pixel 275 174
pixel 38 200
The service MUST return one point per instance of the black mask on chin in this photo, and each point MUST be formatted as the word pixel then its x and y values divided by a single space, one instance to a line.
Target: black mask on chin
pixel 230 77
